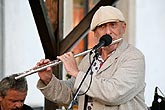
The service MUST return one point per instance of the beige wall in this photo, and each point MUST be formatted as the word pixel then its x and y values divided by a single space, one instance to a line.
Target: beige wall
pixel 129 11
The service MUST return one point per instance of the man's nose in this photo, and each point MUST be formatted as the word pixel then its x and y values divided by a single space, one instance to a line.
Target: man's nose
pixel 108 30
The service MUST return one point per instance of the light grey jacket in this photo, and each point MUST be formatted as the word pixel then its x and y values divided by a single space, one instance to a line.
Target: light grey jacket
pixel 118 85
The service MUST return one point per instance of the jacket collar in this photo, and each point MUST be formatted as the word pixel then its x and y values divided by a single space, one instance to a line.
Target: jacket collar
pixel 114 56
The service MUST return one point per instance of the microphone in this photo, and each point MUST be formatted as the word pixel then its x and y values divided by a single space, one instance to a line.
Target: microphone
pixel 105 40
pixel 155 103
pixel 156 94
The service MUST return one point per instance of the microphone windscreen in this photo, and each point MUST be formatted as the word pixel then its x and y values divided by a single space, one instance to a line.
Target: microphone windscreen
pixel 107 39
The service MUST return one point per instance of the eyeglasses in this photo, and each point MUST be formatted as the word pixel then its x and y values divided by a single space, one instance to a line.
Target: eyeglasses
pixel 110 25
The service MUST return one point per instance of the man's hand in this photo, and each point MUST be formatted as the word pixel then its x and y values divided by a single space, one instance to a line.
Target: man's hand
pixel 69 63
pixel 45 75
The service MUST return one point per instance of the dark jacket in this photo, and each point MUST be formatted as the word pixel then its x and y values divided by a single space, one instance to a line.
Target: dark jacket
pixel 26 107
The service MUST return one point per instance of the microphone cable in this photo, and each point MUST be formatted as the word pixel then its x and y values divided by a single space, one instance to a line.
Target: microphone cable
pixel 91 74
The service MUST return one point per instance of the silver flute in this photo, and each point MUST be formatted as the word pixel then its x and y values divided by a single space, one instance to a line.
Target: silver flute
pixel 54 63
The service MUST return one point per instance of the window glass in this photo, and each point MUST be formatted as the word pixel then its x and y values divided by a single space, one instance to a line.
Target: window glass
pixel 80 9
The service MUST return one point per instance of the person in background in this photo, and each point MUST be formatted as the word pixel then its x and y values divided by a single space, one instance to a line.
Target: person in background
pixel 13 93
pixel 119 82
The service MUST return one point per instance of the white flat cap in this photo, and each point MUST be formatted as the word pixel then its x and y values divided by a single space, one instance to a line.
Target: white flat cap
pixel 106 14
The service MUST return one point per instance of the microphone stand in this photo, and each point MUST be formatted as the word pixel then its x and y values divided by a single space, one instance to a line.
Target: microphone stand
pixel 82 81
